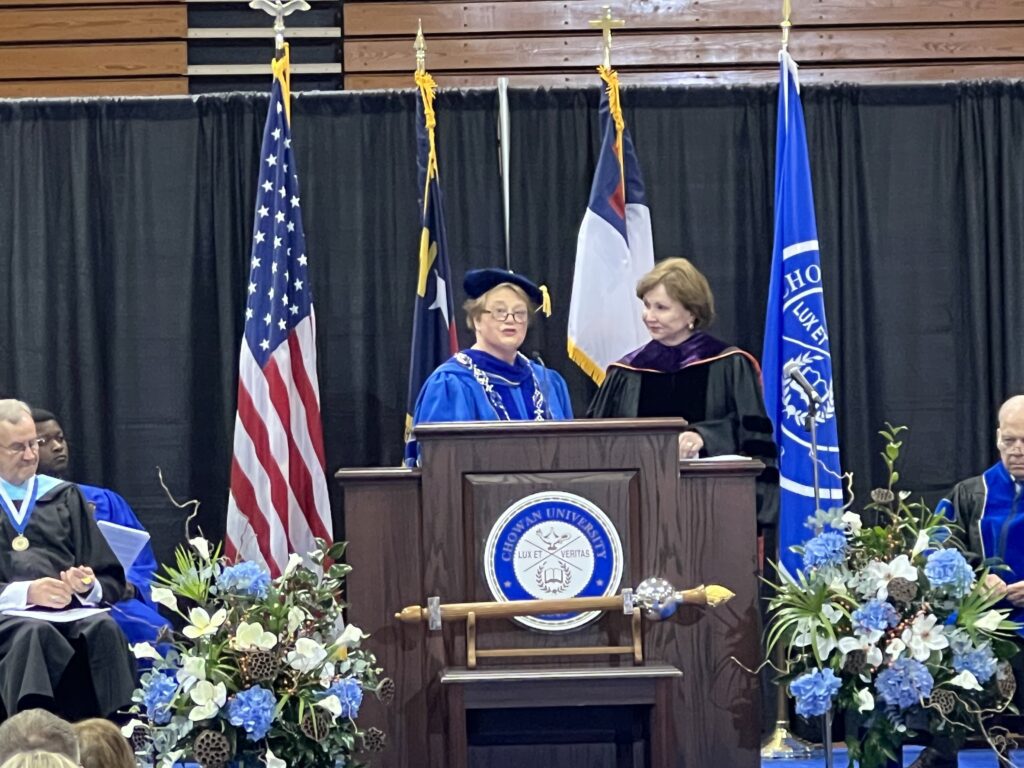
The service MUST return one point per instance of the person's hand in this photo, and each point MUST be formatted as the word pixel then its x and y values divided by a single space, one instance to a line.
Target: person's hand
pixel 995 584
pixel 49 593
pixel 690 444
pixel 1015 594
pixel 79 579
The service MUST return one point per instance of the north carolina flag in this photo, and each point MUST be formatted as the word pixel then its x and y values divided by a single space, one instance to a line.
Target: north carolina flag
pixel 796 333
pixel 614 249
pixel 434 339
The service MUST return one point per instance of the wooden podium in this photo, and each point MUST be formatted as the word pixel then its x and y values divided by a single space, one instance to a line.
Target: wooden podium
pixel 417 533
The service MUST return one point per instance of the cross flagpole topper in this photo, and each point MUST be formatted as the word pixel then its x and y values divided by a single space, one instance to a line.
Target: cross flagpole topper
pixel 606 24
pixel 279 9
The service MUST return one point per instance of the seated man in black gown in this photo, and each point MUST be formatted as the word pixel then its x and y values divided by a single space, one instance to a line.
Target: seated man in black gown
pixel 52 556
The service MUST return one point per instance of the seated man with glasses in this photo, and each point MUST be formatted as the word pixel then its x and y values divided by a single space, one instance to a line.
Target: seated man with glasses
pixel 53 557
pixel 493 380
pixel 136 614
pixel 988 508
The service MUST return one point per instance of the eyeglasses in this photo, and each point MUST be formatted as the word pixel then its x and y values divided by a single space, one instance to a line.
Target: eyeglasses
pixel 45 440
pixel 501 315
pixel 28 445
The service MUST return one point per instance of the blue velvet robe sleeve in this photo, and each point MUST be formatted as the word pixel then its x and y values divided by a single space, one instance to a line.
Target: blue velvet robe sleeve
pixel 112 508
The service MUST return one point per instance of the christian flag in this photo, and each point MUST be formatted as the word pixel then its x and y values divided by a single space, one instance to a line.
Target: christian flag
pixel 796 334
pixel 434 339
pixel 613 250
pixel 278 500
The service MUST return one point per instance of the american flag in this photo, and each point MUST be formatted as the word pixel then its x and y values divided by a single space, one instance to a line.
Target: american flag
pixel 279 499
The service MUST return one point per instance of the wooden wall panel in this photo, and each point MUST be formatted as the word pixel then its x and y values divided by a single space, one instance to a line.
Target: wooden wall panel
pixel 100 47
pixel 503 16
pixel 538 42
pixel 124 22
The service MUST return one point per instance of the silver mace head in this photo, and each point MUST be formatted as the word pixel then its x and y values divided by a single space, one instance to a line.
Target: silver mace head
pixel 660 599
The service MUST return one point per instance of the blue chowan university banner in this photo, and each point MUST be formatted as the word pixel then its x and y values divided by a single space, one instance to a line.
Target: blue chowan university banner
pixel 796 334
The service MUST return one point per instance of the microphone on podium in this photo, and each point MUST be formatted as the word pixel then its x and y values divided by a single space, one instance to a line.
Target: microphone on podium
pixel 792 371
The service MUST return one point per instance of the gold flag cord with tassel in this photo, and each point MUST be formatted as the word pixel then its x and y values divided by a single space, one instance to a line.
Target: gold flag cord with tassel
pixel 611 79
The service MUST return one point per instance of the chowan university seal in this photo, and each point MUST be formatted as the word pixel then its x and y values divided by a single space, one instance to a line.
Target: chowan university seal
pixel 553 545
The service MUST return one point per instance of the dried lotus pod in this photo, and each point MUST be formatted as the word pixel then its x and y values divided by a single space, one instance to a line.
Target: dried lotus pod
pixel 855 662
pixel 902 591
pixel 386 690
pixel 259 666
pixel 316 723
pixel 374 740
pixel 1005 682
pixel 944 701
pixel 883 496
pixel 211 749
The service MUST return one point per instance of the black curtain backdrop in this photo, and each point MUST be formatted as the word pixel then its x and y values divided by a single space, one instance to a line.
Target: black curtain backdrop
pixel 125 237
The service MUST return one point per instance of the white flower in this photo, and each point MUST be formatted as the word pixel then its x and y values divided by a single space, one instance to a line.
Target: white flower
pixel 921 544
pixel 294 561
pixel 923 636
pixel 852 522
pixel 990 621
pixel 872 655
pixel 203 623
pixel 129 728
pixel 808 632
pixel 202 546
pixel 145 651
pixel 332 704
pixel 895 648
pixel 878 574
pixel 273 761
pixel 164 597
pixel 193 669
pixel 169 760
pixel 327 674
pixel 307 656
pixel 251 637
pixel 209 698
pixel 351 637
pixel 295 618
pixel 865 701
pixel 966 680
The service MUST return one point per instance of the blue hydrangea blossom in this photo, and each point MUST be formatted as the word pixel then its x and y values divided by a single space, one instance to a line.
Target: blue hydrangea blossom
pixel 253 711
pixel 814 691
pixel 904 683
pixel 245 578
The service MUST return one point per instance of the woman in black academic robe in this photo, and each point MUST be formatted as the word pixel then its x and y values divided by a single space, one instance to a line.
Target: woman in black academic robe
pixel 685 371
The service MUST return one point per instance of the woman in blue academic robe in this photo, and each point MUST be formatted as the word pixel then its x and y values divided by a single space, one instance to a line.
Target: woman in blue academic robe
pixel 493 380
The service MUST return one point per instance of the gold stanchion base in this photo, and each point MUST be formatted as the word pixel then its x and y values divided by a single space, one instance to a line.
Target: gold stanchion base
pixel 783 745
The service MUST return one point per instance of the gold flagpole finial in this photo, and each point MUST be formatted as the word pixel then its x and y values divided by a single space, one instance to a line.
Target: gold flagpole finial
pixel 606 24
pixel 420 46
pixel 279 9
pixel 786 23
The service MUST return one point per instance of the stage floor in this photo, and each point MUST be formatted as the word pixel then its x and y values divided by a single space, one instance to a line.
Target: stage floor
pixel 969 758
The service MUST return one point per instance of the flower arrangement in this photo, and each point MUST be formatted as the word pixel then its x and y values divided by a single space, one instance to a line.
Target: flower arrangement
pixel 891 624
pixel 264 671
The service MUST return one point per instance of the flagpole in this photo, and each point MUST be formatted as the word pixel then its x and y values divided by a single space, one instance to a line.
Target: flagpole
pixel 504 151
pixel 782 744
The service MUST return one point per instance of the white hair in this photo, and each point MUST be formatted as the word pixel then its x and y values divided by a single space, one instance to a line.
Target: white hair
pixel 12 411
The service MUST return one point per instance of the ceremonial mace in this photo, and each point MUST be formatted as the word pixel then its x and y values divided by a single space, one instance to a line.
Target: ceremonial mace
pixel 657 597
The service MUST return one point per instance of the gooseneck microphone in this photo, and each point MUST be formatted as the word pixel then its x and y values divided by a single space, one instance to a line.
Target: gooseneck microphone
pixel 792 371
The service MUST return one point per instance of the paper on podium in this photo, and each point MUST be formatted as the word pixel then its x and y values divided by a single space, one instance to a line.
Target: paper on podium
pixel 124 541
pixel 58 617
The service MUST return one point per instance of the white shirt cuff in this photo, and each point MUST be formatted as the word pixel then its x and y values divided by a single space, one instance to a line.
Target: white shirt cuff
pixel 15 596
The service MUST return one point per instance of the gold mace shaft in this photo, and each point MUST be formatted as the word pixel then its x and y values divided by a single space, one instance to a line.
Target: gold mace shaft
pixel 498 610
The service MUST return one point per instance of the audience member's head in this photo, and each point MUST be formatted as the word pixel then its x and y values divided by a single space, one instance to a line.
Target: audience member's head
pixel 102 745
pixel 37 729
pixel 53 447
pixel 39 760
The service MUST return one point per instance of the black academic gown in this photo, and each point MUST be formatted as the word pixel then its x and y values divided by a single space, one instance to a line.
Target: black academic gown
pixel 81 668
pixel 719 396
